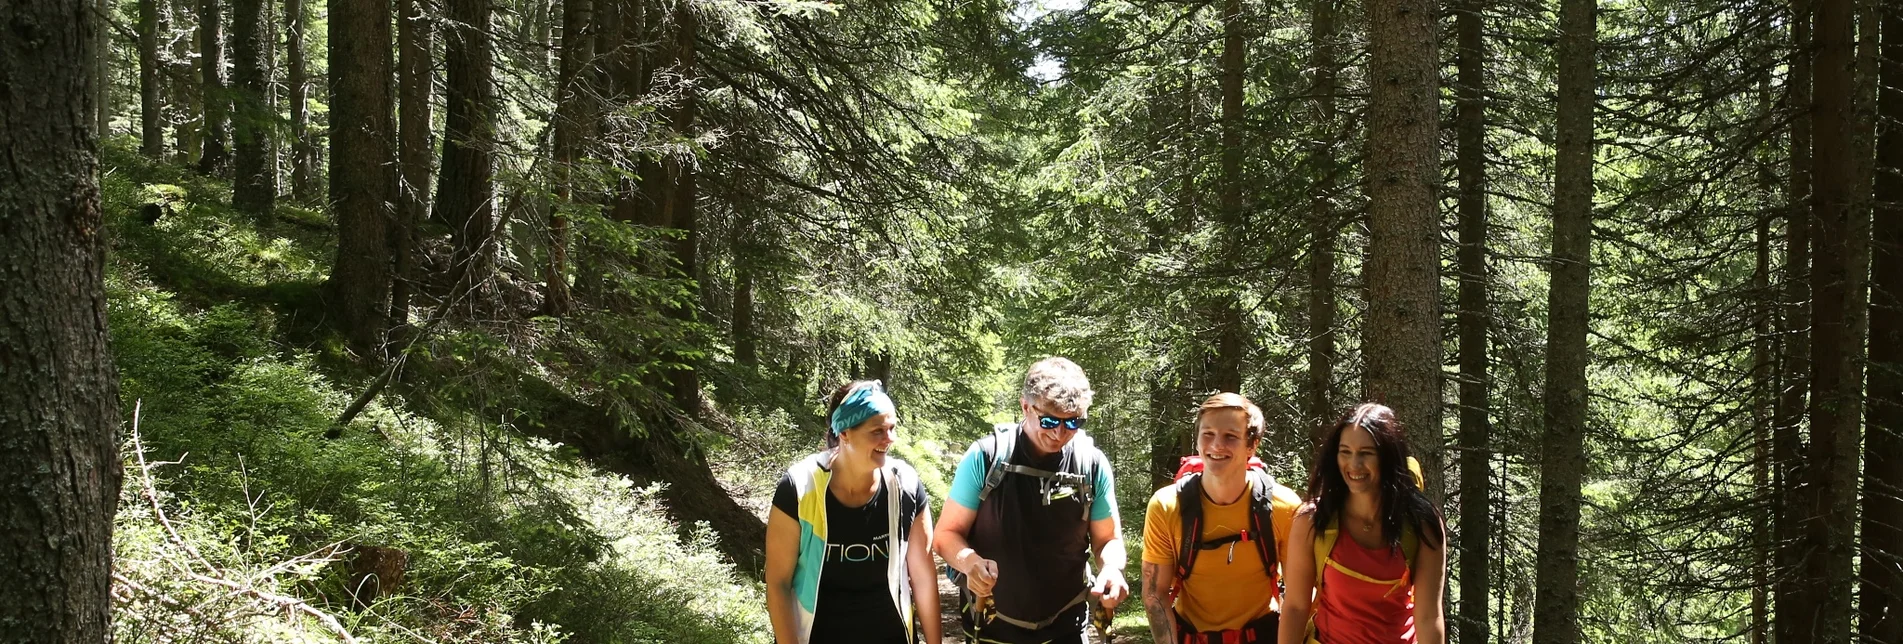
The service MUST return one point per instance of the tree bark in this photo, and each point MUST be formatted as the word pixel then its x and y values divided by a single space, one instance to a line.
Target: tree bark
pixel 187 106
pixel 1763 397
pixel 572 119
pixel 363 171
pixel 1833 412
pixel 255 174
pixel 102 67
pixel 211 67
pixel 415 81
pixel 1792 619
pixel 465 190
pixel 59 391
pixel 151 105
pixel 1563 457
pixel 1231 342
pixel 1476 455
pixel 303 150
pixel 1401 338
pixel 744 351
pixel 1324 227
pixel 1880 593
pixel 679 207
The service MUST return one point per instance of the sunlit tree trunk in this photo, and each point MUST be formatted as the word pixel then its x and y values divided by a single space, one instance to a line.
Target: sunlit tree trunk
pixel 1231 342
pixel 1401 337
pixel 415 82
pixel 211 68
pixel 59 391
pixel 297 85
pixel 254 171
pixel 151 105
pixel 363 168
pixel 1476 455
pixel 572 121
pixel 1563 458
pixel 1324 225
pixel 465 191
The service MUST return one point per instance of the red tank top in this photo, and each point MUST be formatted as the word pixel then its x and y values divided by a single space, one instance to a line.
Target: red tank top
pixel 1370 602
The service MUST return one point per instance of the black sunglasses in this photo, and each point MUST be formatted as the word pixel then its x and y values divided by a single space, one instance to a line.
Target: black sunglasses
pixel 1052 422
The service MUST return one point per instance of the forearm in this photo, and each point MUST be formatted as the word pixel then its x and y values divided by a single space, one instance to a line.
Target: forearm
pixel 1156 605
pixel 1294 626
pixel 951 547
pixel 1111 555
pixel 783 612
pixel 925 598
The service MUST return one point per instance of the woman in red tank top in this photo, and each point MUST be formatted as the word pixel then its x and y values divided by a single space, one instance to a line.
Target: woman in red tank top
pixel 1367 559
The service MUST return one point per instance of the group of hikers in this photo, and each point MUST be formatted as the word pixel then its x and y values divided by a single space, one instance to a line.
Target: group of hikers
pixel 1230 556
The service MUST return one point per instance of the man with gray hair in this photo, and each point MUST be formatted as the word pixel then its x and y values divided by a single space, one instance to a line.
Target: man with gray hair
pixel 1029 505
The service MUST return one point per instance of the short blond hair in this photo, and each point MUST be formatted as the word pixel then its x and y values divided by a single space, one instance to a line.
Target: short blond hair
pixel 1059 382
pixel 1227 400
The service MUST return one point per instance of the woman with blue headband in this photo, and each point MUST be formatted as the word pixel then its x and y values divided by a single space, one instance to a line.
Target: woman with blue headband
pixel 848 542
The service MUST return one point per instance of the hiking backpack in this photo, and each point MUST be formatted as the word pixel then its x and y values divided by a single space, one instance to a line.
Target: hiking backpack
pixel 1005 442
pixel 1189 507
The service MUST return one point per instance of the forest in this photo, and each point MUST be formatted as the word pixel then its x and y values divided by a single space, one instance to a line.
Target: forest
pixel 499 320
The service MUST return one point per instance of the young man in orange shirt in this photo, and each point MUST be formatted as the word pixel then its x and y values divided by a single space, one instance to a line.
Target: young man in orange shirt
pixel 1210 570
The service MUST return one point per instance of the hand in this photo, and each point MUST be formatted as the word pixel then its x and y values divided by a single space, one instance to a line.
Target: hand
pixel 981 575
pixel 1110 588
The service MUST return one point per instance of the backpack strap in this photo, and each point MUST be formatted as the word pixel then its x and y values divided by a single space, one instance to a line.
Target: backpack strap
pixel 1189 538
pixel 1004 440
pixel 1324 544
pixel 1262 518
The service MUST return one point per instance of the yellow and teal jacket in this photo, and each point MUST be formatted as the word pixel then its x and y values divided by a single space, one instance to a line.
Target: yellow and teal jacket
pixel 810 477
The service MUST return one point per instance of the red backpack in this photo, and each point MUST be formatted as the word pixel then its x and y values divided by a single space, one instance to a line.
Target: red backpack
pixel 1193 464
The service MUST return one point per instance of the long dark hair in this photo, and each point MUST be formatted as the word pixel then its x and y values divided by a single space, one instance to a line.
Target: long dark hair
pixel 1402 502
pixel 832 405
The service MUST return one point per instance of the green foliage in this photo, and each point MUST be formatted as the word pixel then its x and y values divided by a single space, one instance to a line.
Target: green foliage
pixel 507 539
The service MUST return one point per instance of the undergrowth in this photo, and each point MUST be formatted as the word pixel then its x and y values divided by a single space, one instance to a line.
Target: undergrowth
pixel 507 539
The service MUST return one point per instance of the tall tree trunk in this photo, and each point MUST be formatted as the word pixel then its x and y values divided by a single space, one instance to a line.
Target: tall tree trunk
pixel 1231 341
pixel 363 171
pixel 1324 228
pixel 1880 593
pixel 1763 396
pixel 572 118
pixel 1833 413
pixel 1401 338
pixel 303 150
pixel 151 106
pixel 679 208
pixel 255 174
pixel 188 107
pixel 59 391
pixel 211 67
pixel 1792 616
pixel 415 80
pixel 1165 429
pixel 1476 455
pixel 465 191
pixel 744 351
pixel 1563 458
pixel 102 67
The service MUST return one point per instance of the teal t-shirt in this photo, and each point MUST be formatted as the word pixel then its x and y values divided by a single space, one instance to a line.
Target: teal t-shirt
pixel 970 479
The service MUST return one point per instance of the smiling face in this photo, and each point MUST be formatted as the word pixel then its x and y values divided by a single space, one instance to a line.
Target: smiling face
pixel 870 440
pixel 1222 439
pixel 1047 441
pixel 1360 463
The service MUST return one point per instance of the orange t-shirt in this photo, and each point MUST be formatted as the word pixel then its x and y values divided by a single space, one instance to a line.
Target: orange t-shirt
pixel 1222 593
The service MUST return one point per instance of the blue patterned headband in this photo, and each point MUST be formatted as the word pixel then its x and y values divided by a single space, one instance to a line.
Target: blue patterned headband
pixel 860 404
